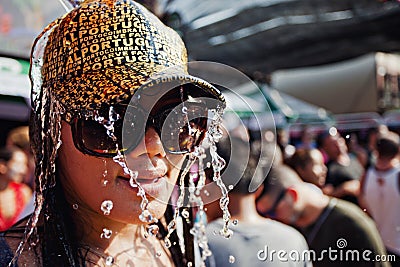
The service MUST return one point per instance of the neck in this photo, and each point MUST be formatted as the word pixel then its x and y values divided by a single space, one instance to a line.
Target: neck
pixel 384 164
pixel 343 159
pixel 127 243
pixel 243 208
pixel 4 181
pixel 314 207
pixel 93 225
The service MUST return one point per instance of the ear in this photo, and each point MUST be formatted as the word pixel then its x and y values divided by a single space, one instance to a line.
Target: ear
pixel 292 192
pixel 3 168
pixel 258 191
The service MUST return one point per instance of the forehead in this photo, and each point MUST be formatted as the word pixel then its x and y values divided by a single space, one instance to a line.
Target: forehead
pixel 316 155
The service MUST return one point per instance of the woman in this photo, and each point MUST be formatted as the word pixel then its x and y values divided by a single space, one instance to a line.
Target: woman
pixel 14 195
pixel 114 115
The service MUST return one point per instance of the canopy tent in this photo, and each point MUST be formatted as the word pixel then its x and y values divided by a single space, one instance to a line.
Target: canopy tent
pixel 14 89
pixel 268 35
pixel 346 87
pixel 14 94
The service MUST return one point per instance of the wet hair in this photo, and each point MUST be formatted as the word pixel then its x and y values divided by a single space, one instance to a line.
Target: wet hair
pixel 387 144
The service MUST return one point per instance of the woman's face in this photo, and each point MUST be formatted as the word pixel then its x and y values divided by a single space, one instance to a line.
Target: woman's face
pixel 89 180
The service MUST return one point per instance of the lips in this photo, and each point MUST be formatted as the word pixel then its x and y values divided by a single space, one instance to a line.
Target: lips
pixel 153 186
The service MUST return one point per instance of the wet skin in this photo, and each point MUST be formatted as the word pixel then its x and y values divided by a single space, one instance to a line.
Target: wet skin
pixel 83 176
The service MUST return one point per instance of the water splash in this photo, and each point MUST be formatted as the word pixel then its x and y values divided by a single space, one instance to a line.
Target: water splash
pixel 152 230
pixel 132 180
pixel 231 259
pixel 106 233
pixel 104 180
pixel 218 163
pixel 179 203
pixel 109 261
pixel 106 207
pixel 145 216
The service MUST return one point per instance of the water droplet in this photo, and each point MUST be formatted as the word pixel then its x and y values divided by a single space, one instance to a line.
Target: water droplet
pixel 231 259
pixel 230 187
pixel 106 233
pixel 167 243
pixel 158 254
pixel 207 252
pixel 109 261
pixel 171 225
pixel 235 222
pixel 146 216
pixel 227 233
pixel 106 207
pixel 152 230
pixel 132 180
pixel 75 206
pixel 190 264
pixel 104 182
pixel 185 214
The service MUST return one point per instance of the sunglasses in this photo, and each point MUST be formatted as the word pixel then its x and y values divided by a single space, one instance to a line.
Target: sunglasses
pixel 180 126
pixel 271 213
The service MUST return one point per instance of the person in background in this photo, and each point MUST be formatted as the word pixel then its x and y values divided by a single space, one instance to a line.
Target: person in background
pixel 309 165
pixel 380 193
pixel 13 195
pixel 282 140
pixel 344 171
pixel 19 137
pixel 372 135
pixel 307 140
pixel 356 150
pixel 252 233
pixel 327 223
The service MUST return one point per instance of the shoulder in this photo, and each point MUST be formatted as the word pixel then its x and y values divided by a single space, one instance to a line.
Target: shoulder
pixel 6 253
pixel 286 234
pixel 359 225
pixel 9 243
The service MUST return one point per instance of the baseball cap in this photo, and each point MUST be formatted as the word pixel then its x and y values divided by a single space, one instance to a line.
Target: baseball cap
pixel 103 51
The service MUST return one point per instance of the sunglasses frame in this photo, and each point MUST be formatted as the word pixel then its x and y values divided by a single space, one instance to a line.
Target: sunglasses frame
pixel 154 121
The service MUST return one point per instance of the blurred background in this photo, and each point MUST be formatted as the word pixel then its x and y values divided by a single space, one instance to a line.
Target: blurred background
pixel 318 63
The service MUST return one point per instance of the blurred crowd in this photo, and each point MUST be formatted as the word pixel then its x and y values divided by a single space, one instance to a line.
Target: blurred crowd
pixel 339 194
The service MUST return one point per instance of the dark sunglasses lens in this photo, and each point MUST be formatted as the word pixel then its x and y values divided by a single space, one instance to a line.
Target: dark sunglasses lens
pixel 133 129
pixel 183 127
pixel 94 137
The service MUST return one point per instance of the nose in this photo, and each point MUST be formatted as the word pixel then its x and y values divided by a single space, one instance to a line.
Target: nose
pixel 150 145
